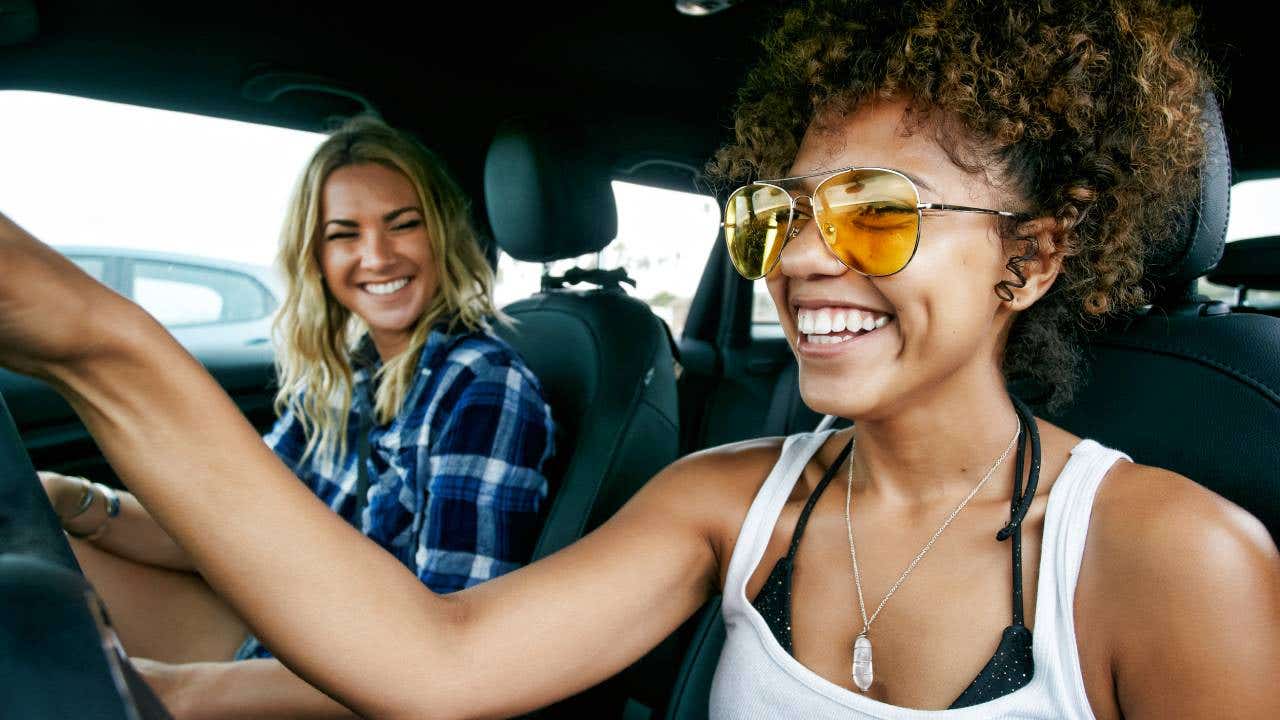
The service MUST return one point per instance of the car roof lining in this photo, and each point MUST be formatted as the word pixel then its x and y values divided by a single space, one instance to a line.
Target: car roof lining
pixel 621 66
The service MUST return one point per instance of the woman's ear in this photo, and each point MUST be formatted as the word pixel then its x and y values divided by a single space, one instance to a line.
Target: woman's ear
pixel 1034 265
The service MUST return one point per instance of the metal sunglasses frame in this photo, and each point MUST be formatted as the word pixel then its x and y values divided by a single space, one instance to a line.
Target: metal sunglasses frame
pixel 791 231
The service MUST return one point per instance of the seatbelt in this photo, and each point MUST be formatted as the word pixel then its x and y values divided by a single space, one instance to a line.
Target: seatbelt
pixel 362 470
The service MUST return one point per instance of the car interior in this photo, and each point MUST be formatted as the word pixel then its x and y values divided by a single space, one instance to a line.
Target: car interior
pixel 537 108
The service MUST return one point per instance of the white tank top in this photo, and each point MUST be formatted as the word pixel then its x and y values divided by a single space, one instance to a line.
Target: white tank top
pixel 757 678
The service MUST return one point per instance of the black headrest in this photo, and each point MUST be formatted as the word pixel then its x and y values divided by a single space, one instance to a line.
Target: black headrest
pixel 1201 238
pixel 1253 264
pixel 548 195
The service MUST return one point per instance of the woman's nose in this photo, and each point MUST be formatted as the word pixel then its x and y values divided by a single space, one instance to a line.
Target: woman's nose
pixel 807 255
pixel 375 250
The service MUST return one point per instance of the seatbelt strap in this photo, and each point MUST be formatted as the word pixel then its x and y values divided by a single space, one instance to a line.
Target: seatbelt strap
pixel 362 469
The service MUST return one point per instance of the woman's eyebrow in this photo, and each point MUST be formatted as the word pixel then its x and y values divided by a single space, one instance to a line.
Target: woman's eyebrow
pixel 920 183
pixel 397 213
pixel 343 222
pixel 810 179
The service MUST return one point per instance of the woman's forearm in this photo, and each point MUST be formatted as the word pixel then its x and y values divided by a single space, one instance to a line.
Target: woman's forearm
pixel 263 689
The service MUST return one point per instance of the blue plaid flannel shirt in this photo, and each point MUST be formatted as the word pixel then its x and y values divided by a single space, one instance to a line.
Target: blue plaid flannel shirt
pixel 456 484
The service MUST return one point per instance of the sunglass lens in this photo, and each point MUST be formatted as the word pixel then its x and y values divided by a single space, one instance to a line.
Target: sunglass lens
pixel 869 220
pixel 756 219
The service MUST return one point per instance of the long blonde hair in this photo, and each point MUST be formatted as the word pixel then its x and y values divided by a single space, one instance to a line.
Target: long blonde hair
pixel 315 335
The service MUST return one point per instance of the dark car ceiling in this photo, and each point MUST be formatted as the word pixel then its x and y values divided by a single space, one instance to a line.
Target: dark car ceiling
pixel 654 83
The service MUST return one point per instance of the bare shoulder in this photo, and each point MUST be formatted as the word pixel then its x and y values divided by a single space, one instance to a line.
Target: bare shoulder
pixel 1182 589
pixel 1154 520
pixel 714 488
pixel 713 478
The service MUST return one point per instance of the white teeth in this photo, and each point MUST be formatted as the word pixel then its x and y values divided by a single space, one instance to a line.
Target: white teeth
pixel 822 323
pixel 386 288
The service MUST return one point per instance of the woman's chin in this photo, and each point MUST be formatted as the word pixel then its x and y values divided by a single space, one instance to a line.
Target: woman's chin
pixel 842 397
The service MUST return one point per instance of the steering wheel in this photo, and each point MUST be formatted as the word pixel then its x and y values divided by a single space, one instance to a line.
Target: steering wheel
pixel 59 656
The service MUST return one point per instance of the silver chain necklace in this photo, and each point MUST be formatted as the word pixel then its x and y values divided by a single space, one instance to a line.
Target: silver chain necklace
pixel 863 671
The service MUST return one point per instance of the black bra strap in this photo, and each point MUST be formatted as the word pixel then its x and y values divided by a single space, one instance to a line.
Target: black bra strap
pixel 813 499
pixel 1017 533
pixel 1021 501
pixel 1028 422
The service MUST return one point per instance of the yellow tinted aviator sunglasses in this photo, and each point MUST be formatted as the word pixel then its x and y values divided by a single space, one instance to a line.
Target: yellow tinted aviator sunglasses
pixel 868 217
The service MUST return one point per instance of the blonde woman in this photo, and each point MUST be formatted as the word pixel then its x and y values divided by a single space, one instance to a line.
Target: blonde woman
pixel 384 361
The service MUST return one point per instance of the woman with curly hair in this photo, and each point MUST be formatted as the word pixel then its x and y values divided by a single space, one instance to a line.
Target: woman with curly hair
pixel 941 194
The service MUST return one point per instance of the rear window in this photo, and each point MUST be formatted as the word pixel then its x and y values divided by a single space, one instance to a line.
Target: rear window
pixel 664 238
pixel 1253 214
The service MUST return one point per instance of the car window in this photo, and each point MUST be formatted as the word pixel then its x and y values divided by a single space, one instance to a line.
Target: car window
pixel 1253 214
pixel 131 181
pixel 763 311
pixel 664 238
pixel 179 295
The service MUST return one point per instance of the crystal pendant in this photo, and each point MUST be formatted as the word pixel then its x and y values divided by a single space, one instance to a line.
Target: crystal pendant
pixel 862 671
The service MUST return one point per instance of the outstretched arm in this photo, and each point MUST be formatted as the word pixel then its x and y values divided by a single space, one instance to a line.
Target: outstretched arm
pixel 296 572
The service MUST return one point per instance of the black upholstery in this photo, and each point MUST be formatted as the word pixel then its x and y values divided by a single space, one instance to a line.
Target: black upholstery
pixel 1184 385
pixel 1252 264
pixel 548 196
pixel 52 663
pixel 28 525
pixel 604 359
pixel 606 367
pixel 1199 243
pixel 1196 394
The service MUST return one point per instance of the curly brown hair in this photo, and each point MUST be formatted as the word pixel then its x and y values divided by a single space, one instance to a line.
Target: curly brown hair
pixel 1089 111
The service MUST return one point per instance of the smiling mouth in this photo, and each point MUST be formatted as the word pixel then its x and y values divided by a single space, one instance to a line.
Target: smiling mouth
pixel 834 325
pixel 385 288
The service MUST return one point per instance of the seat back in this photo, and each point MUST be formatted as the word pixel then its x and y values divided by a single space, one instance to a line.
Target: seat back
pixel 1188 385
pixel 606 367
pixel 604 359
